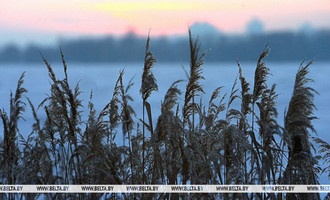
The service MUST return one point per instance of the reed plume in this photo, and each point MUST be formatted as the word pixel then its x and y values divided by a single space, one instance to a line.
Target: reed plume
pixel 127 110
pixel 301 164
pixel 260 76
pixel 149 82
pixel 112 109
pixel 193 86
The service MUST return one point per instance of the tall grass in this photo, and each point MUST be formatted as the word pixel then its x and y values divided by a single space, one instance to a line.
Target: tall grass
pixel 214 143
pixel 301 164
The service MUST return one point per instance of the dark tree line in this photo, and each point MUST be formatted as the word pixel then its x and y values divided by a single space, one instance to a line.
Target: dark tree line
pixel 286 46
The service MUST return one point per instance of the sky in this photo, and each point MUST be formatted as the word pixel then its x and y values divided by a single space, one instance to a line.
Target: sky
pixel 46 21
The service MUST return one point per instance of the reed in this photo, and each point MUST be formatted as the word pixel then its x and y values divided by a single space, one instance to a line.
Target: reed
pixel 196 143
pixel 148 85
pixel 301 167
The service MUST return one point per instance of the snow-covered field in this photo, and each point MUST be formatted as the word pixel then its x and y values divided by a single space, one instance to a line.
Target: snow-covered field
pixel 100 78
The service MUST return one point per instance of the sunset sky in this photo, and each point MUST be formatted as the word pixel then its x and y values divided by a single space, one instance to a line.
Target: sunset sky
pixel 43 21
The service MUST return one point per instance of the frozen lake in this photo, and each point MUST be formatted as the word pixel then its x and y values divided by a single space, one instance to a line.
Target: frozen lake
pixel 101 79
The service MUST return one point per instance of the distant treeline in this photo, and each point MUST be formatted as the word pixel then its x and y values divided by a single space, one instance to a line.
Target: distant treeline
pixel 286 46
